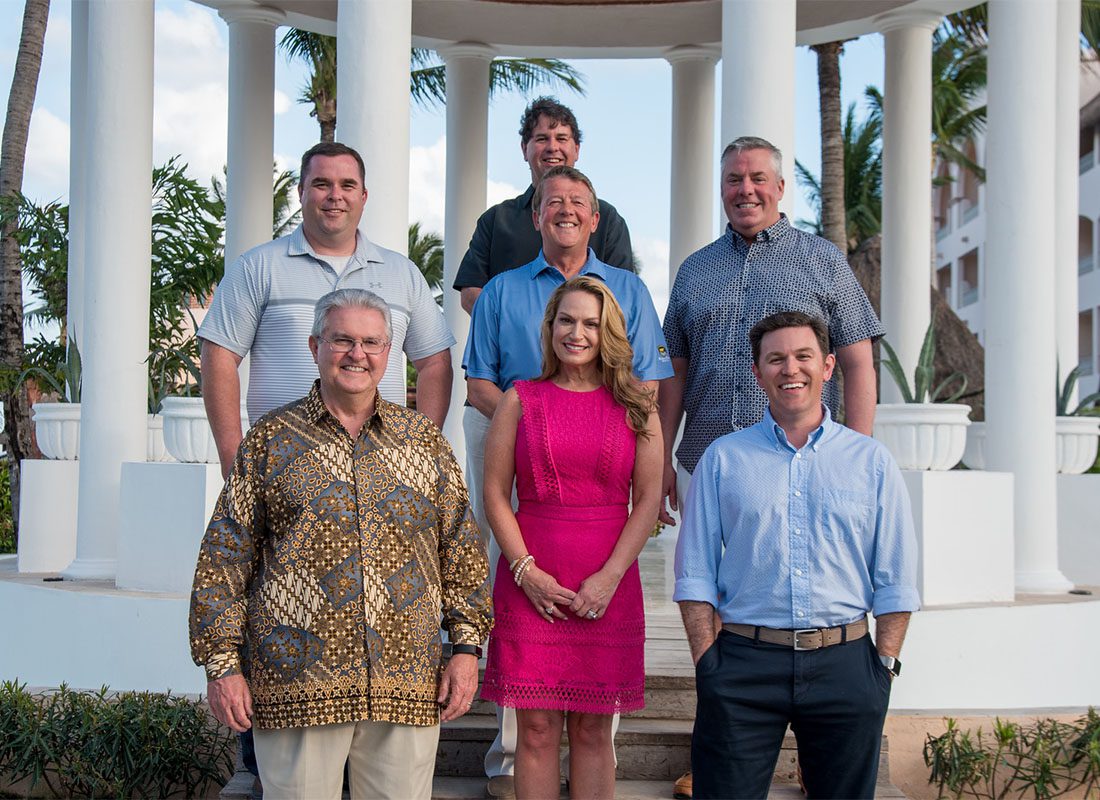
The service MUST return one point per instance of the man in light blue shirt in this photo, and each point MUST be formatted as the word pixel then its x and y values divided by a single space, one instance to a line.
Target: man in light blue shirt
pixel 794 528
pixel 504 345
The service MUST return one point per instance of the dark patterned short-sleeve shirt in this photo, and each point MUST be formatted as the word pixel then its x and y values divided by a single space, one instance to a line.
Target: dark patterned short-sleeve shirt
pixel 724 289
pixel 329 563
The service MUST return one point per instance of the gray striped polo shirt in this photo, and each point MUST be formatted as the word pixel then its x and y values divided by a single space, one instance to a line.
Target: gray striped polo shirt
pixel 264 306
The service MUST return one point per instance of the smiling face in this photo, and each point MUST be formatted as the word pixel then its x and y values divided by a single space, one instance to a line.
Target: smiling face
pixel 575 334
pixel 751 191
pixel 792 371
pixel 552 144
pixel 333 196
pixel 566 216
pixel 354 375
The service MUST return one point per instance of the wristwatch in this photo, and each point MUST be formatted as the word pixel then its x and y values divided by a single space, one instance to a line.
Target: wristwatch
pixel 893 665
pixel 465 649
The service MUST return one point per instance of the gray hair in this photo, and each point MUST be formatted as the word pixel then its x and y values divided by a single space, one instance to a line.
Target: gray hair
pixel 349 298
pixel 571 173
pixel 743 143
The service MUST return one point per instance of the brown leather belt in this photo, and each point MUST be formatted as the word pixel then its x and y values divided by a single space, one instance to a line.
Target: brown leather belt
pixel 804 639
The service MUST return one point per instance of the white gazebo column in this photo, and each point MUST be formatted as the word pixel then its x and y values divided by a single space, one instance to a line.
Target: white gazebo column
pixel 78 160
pixel 758 41
pixel 251 141
pixel 467 66
pixel 906 176
pixel 116 272
pixel 1067 117
pixel 1019 331
pixel 374 40
pixel 694 168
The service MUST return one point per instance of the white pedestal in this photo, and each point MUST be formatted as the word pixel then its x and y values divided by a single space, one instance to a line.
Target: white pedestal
pixel 47 514
pixel 164 511
pixel 964 533
pixel 1078 531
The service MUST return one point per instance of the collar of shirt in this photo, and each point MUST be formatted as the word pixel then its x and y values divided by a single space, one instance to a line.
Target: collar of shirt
pixel 365 250
pixel 769 234
pixel 593 266
pixel 317 412
pixel 816 438
pixel 527 199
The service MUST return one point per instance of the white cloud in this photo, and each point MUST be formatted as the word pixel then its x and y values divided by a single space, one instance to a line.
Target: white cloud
pixel 499 190
pixel 653 253
pixel 427 185
pixel 282 102
pixel 190 96
pixel 46 174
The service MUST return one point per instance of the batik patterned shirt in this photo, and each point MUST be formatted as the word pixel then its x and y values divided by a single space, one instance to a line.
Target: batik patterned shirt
pixel 329 563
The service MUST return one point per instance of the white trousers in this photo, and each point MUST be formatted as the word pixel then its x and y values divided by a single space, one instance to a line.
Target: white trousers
pixel 385 760
pixel 501 758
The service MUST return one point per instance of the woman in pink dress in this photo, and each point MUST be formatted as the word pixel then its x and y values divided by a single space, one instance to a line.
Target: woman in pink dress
pixel 583 446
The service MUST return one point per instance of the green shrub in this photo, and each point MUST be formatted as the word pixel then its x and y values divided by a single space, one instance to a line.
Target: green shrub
pixel 1043 759
pixel 103 744
pixel 7 522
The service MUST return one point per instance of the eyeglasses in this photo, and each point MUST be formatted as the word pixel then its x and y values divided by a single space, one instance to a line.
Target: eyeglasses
pixel 344 344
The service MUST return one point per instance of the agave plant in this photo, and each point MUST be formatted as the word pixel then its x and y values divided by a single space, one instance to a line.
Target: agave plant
pixel 1064 394
pixel 65 380
pixel 922 389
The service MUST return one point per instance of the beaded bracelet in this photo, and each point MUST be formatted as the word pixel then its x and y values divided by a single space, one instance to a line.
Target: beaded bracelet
pixel 524 564
pixel 512 566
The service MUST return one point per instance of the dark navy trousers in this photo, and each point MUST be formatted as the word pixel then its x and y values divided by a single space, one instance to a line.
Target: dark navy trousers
pixel 834 699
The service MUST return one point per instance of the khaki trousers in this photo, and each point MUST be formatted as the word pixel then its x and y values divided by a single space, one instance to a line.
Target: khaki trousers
pixel 385 760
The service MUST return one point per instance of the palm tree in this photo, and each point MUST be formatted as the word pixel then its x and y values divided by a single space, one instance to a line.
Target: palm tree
pixel 427 80
pixel 972 25
pixel 958 83
pixel 426 251
pixel 285 216
pixel 861 144
pixel 17 437
pixel 830 192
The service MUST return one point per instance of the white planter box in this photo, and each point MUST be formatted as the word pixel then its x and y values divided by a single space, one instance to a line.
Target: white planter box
pixel 1075 444
pixel 155 450
pixel 57 429
pixel 923 436
pixel 187 433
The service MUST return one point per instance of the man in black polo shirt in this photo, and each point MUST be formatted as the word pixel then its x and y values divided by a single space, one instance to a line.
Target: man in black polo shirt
pixel 506 237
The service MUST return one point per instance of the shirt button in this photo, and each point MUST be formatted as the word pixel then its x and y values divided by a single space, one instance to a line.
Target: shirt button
pixel 798 455
pixel 797 531
pixel 798 572
pixel 797 493
pixel 801 613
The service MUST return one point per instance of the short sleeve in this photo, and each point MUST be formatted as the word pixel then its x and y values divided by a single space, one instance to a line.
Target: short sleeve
pixel 651 361
pixel 673 327
pixel 428 333
pixel 482 357
pixel 234 314
pixel 852 318
pixel 474 268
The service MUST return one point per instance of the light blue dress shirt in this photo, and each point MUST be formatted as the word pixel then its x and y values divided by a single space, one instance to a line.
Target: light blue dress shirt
pixel 504 344
pixel 797 538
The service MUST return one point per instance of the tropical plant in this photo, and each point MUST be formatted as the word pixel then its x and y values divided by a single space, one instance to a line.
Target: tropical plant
pixel 286 214
pixel 427 79
pixel 426 251
pixel 1064 396
pixel 922 390
pixel 972 24
pixel 18 434
pixel 862 157
pixel 64 380
pixel 958 84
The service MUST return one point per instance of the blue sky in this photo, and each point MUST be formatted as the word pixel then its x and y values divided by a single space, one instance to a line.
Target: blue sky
pixel 625 117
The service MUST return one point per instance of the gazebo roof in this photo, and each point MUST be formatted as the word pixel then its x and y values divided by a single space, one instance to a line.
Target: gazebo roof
pixel 597 28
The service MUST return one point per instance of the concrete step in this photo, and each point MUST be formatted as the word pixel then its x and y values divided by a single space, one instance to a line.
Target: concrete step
pixel 474 789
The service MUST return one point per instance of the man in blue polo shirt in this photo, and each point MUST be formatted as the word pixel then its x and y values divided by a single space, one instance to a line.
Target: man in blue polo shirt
pixel 504 346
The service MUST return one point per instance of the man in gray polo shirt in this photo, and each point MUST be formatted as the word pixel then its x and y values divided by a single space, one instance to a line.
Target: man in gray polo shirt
pixel 264 306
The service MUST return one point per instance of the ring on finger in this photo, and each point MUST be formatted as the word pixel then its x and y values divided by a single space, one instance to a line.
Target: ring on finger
pixel 549 609
pixel 592 613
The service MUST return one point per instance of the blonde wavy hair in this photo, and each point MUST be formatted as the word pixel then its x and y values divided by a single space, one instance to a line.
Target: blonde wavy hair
pixel 616 355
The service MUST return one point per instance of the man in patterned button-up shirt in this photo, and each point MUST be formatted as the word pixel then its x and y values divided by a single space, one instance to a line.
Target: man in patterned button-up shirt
pixel 342 536
pixel 759 266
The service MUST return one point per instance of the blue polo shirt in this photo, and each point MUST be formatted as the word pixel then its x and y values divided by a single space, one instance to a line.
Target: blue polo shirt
pixel 504 344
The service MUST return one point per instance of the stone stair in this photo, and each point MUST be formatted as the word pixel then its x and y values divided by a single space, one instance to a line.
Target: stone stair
pixel 653 747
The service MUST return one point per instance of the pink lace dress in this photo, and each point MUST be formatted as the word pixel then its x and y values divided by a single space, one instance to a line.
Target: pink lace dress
pixel 574 461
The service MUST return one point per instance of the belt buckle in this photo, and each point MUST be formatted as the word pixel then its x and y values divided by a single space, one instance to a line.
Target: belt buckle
pixel 796 634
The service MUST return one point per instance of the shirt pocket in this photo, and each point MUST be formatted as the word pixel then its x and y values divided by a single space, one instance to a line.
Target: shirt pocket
pixel 846 514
